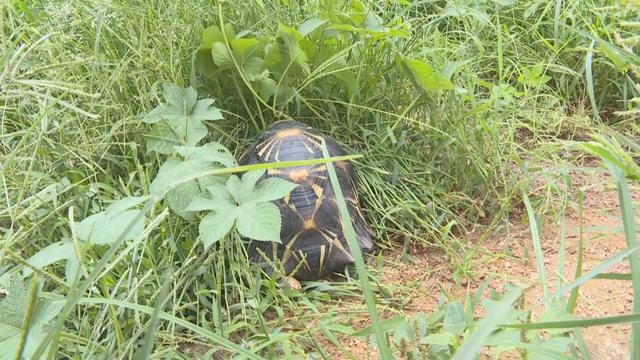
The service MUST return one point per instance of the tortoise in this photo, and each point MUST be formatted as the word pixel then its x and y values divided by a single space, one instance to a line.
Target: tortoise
pixel 312 233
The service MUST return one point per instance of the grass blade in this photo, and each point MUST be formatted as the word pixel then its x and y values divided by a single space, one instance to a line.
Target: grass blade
pixel 161 300
pixel 573 298
pixel 628 221
pixel 537 246
pixel 215 338
pixel 581 323
pixel 589 78
pixel 352 240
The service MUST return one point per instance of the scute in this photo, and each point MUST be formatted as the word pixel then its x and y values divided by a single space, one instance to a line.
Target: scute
pixel 313 239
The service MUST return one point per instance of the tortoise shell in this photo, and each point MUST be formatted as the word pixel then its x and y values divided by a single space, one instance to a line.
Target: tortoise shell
pixel 313 237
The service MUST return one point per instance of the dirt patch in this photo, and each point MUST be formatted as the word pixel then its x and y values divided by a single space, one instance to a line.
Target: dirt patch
pixel 508 256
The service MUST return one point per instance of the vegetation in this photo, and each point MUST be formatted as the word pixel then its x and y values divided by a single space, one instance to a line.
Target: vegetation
pixel 124 214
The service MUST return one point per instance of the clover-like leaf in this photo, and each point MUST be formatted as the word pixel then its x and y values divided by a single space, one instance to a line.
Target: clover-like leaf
pixel 13 311
pixel 179 121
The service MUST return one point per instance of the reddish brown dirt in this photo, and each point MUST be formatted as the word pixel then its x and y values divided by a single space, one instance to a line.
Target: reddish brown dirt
pixel 508 256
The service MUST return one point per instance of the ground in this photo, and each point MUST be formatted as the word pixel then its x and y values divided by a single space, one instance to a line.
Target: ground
pixel 508 255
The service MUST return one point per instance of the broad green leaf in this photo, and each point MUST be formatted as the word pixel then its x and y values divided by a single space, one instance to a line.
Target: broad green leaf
pixel 212 34
pixel 179 198
pixel 221 55
pixel 103 229
pixel 198 160
pixel 204 110
pixel 61 250
pixel 244 203
pixel 259 221
pixel 219 192
pixel 242 190
pixel 162 138
pixel 311 25
pixel 255 68
pixel 292 48
pixel 243 48
pixel 216 225
pixel 439 339
pixel 424 76
pixel 454 318
pixel 272 189
pixel 201 204
pixel 125 204
pixel 13 310
pixel 106 226
pixel 266 87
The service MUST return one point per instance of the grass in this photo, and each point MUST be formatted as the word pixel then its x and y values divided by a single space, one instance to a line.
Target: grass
pixel 530 80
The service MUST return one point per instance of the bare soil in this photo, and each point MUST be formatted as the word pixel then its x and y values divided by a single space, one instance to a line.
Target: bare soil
pixel 508 256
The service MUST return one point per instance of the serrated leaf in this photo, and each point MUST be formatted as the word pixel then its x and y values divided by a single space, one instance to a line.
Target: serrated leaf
pixel 272 189
pixel 215 226
pixel 174 172
pixel 211 152
pixel 259 221
pixel 424 76
pixel 219 192
pixel 180 120
pixel 12 314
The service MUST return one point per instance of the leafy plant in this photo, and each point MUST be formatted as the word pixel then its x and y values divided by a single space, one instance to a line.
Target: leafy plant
pixel 180 120
pixel 245 204
pixel 24 318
